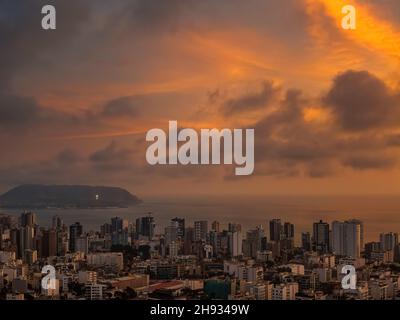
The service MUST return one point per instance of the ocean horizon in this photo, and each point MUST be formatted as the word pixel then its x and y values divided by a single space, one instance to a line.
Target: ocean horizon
pixel 379 213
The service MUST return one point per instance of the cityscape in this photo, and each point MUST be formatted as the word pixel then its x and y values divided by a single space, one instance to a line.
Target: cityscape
pixel 195 155
pixel 127 260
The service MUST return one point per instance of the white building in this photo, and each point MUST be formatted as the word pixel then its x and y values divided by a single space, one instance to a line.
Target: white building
pixel 231 267
pixel 285 291
pixel 251 273
pixel 94 291
pixel 256 290
pixel 17 296
pixel 236 241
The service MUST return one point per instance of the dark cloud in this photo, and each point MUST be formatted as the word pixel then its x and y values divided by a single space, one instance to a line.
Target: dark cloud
pixel 393 140
pixel 15 110
pixel 69 157
pixel 287 146
pixel 251 101
pixel 287 143
pixel 157 15
pixel 121 107
pixel 19 113
pixel 361 101
pixel 369 162
pixel 23 40
pixel 111 153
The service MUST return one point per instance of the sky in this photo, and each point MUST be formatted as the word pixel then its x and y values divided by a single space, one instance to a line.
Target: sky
pixel 76 103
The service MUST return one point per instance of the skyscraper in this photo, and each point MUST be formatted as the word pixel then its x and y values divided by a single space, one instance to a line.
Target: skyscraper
pixel 253 242
pixel 57 223
pixel 28 219
pixel 118 224
pixel 188 242
pixel 215 226
pixel 235 243
pixel 346 238
pixel 75 231
pixel 288 230
pixel 388 241
pixel 275 229
pixel 306 241
pixel 145 226
pixel 321 237
pixel 200 230
pixel 234 227
pixel 361 231
pixel 26 241
pixel 180 224
pixel 49 243
pixel 171 234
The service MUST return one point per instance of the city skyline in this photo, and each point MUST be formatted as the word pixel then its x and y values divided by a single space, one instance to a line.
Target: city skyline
pixel 123 260
pixel 200 150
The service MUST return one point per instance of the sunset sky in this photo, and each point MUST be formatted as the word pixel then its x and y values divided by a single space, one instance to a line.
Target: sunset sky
pixel 76 103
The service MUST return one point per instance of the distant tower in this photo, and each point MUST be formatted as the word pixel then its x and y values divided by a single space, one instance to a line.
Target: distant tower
pixel 321 237
pixel 75 231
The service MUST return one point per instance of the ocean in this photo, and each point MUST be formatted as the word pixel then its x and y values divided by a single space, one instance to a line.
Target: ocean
pixel 379 213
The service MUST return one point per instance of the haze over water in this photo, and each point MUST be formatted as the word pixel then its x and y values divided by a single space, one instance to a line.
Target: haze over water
pixel 379 213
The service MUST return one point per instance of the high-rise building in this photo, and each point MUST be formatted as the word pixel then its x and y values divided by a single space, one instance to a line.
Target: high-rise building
pixel 235 243
pixel 188 242
pixel 173 249
pixel 75 231
pixel 215 226
pixel 28 219
pixel 253 242
pixel 306 241
pixel 361 230
pixel 171 234
pixel 145 226
pixel 200 230
pixel 30 256
pixel 288 230
pixel 180 224
pixel 57 223
pixel 28 223
pixel 62 241
pixel 346 238
pixel 94 291
pixel 234 227
pixel 321 237
pixel 105 229
pixel 49 243
pixel 82 244
pixel 26 239
pixel 388 241
pixel 275 230
pixel 118 224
